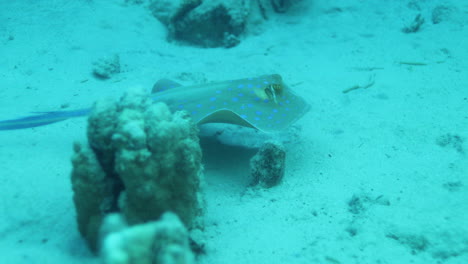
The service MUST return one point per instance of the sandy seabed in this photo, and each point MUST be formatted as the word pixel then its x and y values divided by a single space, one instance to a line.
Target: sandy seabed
pixel 377 174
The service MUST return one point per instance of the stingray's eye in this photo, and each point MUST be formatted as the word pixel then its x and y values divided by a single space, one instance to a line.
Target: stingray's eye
pixel 272 91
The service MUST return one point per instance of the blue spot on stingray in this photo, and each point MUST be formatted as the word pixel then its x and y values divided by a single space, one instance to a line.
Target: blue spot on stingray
pixel 286 108
pixel 212 99
pixel 270 117
pixel 212 107
pixel 199 105
pixel 275 110
pixel 218 91
pixel 180 106
pixel 240 94
pixel 257 118
pixel 240 86
pixel 266 101
pixel 230 89
pixel 287 101
pixel 249 85
pixel 235 99
pixel 225 103
pixel 243 116
pixel 265 82
pixel 194 112
pixel 257 99
pixel 250 105
pixel 258 112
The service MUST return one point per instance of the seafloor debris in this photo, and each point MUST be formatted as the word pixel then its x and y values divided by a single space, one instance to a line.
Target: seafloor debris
pixel 267 166
pixel 441 13
pixel 370 83
pixel 415 26
pixel 441 244
pixel 104 68
pixel 451 140
pixel 281 6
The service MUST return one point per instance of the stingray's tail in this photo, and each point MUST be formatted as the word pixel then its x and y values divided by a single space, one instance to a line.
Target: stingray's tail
pixel 42 119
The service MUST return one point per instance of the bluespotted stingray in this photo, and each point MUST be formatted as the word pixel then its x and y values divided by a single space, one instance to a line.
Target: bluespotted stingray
pixel 264 103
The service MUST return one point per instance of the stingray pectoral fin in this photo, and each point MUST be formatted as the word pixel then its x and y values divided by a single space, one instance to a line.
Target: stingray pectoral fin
pixel 42 119
pixel 225 116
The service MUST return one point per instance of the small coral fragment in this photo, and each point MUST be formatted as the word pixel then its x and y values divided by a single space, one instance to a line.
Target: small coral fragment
pixel 267 166
pixel 104 68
